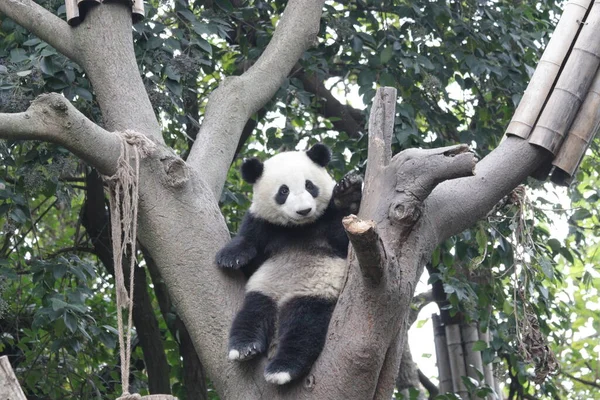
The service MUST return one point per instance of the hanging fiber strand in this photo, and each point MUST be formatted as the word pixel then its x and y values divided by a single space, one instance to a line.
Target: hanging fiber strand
pixel 124 194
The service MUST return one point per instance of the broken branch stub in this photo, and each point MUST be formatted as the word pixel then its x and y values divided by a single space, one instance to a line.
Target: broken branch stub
pixel 367 246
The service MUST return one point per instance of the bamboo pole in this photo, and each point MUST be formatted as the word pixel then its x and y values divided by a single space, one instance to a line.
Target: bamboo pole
pixel 9 385
pixel 457 361
pixel 488 369
pixel 470 335
pixel 572 86
pixel 548 68
pixel 72 12
pixel 441 354
pixel 580 136
pixel 137 11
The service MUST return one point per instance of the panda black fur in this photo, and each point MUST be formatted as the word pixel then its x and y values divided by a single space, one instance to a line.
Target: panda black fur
pixel 293 244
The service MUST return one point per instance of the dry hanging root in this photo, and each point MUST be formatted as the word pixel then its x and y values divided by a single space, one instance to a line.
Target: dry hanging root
pixel 123 187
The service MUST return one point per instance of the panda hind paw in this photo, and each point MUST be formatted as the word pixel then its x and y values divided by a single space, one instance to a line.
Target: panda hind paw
pixel 244 352
pixel 278 378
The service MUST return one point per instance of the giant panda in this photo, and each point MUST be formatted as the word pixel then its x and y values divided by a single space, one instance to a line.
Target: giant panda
pixel 292 237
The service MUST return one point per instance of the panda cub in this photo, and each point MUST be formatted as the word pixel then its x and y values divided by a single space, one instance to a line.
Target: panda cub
pixel 293 243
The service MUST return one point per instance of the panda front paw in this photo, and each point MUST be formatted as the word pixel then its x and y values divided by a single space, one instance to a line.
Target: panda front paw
pixel 235 255
pixel 347 194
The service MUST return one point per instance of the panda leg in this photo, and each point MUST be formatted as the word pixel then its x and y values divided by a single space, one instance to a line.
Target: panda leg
pixel 252 327
pixel 303 323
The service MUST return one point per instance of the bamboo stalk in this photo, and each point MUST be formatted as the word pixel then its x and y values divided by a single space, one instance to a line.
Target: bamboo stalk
pixel 548 68
pixel 497 388
pixel 441 353
pixel 470 335
pixel 488 369
pixel 457 361
pixel 572 86
pixel 580 135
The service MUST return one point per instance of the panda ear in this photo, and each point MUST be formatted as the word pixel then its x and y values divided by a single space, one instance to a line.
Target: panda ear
pixel 319 154
pixel 252 169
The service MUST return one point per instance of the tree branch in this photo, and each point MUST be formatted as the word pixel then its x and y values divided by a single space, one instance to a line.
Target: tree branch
pixel 583 381
pixel 454 206
pixel 41 23
pixel 52 118
pixel 367 246
pixel 345 115
pixel 237 98
pixel 428 385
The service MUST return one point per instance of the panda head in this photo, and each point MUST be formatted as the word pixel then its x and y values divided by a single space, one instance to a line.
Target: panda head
pixel 290 188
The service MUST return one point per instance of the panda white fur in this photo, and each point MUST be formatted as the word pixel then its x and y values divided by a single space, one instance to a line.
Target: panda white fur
pixel 294 246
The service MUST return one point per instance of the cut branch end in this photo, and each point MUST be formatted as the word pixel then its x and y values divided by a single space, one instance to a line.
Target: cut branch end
pixel 367 246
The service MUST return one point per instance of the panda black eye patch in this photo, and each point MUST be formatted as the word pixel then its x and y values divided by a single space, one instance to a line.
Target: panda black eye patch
pixel 311 188
pixel 282 194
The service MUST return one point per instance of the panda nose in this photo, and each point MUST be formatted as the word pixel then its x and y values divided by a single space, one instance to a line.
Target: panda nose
pixel 304 212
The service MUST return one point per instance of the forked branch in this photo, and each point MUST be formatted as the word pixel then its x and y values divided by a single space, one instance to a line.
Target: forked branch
pixel 238 98
pixel 52 118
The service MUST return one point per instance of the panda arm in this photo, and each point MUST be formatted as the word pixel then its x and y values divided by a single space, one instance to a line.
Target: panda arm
pixel 243 248
pixel 345 200
pixel 347 194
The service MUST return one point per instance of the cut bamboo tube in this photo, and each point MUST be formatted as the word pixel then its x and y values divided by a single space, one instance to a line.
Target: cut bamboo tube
pixel 580 136
pixel 457 361
pixel 572 86
pixel 548 68
pixel 86 3
pixel 72 12
pixel 137 11
pixel 441 354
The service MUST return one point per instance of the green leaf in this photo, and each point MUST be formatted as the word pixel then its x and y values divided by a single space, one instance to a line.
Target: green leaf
pixel 18 55
pixel 482 240
pixel 58 304
pixel 70 322
pixel 387 79
pixel 32 42
pixel 17 215
pixel 174 86
pixel 479 345
pixel 224 5
pixel 547 267
pixel 386 55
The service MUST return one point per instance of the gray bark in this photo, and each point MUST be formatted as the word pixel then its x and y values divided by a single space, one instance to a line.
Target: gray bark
pixel 9 386
pixel 182 227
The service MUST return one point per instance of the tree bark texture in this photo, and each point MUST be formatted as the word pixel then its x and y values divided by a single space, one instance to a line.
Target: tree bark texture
pixel 409 205
pixel 9 386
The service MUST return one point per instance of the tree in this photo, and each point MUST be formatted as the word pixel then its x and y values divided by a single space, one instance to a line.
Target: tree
pixel 181 226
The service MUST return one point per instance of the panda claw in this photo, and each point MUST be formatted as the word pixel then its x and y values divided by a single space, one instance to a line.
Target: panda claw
pixel 245 352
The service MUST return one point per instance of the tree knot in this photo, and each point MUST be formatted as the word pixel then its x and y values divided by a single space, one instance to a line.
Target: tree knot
pixel 404 213
pixel 177 171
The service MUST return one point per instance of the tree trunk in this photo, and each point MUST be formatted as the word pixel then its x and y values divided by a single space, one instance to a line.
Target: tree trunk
pixel 9 386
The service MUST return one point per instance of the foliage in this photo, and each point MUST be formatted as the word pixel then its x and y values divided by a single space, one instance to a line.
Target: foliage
pixel 459 67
